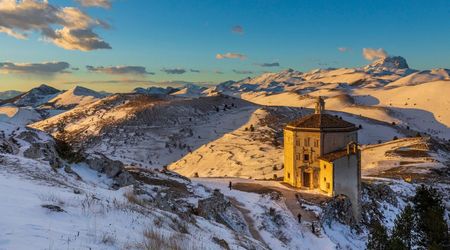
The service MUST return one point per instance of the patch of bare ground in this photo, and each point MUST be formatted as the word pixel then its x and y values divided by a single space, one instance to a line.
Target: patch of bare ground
pixel 410 172
pixel 254 188
pixel 408 152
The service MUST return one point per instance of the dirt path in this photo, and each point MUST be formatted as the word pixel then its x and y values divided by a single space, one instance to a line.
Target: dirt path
pixel 251 224
pixel 290 198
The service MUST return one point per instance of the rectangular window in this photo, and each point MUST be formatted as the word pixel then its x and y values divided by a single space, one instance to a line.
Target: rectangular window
pixel 328 185
pixel 324 178
pixel 289 176
pixel 307 142
pixel 316 143
pixel 306 157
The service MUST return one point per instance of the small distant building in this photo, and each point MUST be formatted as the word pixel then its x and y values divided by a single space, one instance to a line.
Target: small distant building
pixel 321 152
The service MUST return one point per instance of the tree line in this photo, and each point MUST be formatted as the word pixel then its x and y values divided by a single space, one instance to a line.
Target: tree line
pixel 421 225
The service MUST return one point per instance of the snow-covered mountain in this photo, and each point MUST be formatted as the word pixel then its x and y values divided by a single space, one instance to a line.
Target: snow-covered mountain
pixel 190 90
pixel 56 197
pixel 155 90
pixel 35 97
pixel 73 97
pixel 19 115
pixel 388 64
pixel 5 95
pixel 233 132
pixel 385 90
pixel 151 131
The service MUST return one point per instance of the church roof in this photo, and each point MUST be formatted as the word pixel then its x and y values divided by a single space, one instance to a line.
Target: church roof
pixel 321 121
pixel 331 157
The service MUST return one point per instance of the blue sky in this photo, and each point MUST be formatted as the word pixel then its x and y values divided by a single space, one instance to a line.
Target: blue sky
pixel 171 34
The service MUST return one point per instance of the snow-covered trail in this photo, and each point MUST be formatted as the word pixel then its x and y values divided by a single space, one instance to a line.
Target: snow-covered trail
pixel 300 235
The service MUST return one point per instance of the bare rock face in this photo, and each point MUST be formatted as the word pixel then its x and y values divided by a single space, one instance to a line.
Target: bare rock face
pixel 221 210
pixel 390 62
pixel 373 194
pixel 124 179
pixel 40 149
pixel 105 165
pixel 339 209
pixel 112 169
pixel 8 147
pixel 381 191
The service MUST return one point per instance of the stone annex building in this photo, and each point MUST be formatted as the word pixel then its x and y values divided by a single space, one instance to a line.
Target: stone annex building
pixel 321 153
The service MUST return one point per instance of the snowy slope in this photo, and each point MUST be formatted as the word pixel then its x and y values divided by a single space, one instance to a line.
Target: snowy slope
pixel 76 207
pixel 18 115
pixel 5 95
pixel 146 130
pixel 420 106
pixel 409 157
pixel 423 76
pixel 155 90
pixel 190 90
pixel 259 153
pixel 74 97
pixel 221 136
pixel 386 90
pixel 34 97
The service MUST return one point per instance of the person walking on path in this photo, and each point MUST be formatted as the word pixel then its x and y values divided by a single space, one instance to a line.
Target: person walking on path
pixel 230 185
pixel 299 216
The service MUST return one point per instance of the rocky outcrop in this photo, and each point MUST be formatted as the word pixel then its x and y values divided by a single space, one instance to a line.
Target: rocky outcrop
pixel 221 210
pixel 40 149
pixel 112 169
pixel 390 62
pixel 339 209
pixel 372 197
pixel 105 165
pixel 381 191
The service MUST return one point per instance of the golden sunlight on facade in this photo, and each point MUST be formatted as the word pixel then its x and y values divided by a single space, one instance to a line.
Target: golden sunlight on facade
pixel 321 153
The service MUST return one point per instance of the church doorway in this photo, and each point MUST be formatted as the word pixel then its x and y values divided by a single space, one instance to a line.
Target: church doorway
pixel 307 180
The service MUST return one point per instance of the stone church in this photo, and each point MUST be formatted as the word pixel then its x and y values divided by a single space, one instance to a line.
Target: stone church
pixel 321 153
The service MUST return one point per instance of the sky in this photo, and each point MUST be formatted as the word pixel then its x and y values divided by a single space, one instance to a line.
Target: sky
pixel 117 45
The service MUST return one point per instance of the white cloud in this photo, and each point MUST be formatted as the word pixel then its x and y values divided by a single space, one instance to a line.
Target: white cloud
pixel 374 54
pixel 66 27
pixel 343 49
pixel 175 71
pixel 243 72
pixel 238 29
pixel 78 39
pixel 95 3
pixel 269 64
pixel 46 68
pixel 231 56
pixel 120 70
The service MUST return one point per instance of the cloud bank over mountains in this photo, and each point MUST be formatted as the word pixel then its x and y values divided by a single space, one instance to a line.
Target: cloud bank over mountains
pixel 46 68
pixel 174 71
pixel 120 70
pixel 272 64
